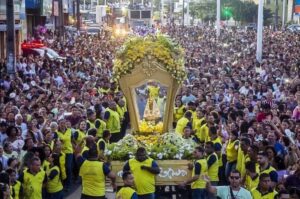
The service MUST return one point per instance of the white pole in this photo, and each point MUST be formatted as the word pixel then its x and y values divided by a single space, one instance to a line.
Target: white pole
pixel 218 17
pixel 83 4
pixel 259 31
pixel 162 12
pixel 188 13
pixel 283 13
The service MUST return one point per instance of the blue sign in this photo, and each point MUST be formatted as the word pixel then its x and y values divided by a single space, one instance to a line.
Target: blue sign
pixel 33 4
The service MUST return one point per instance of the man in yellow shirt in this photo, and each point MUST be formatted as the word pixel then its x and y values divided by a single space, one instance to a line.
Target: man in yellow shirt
pixel 198 184
pixel 144 170
pixel 212 163
pixel 113 123
pixel 183 122
pixel 264 189
pixel 127 192
pixel 32 180
pixel 265 167
pixel 243 156
pixel 252 176
pixel 93 174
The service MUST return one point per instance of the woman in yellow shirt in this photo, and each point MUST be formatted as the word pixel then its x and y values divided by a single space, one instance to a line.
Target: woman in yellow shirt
pixel 231 152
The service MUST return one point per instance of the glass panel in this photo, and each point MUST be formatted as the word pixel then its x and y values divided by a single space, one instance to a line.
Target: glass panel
pixel 150 103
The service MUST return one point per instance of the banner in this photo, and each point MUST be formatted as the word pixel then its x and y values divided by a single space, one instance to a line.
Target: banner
pixel 55 9
pixel 297 6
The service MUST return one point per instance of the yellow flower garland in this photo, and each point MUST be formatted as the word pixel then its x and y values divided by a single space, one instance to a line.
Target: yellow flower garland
pixel 160 47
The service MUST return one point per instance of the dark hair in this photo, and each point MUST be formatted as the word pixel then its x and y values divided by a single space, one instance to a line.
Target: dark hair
pixel 200 149
pixel 106 133
pixel 254 148
pixel 25 147
pixel 286 141
pixel 27 157
pixel 55 157
pixel 250 166
pixel 187 127
pixel 10 171
pixel 141 150
pixel 93 152
pixel 10 160
pixel 9 130
pixel 4 178
pixel 246 140
pixel 263 175
pixel 271 148
pixel 236 171
pixel 6 144
pixel 211 144
pixel 126 174
pixel 188 114
pixel 213 130
pixel 263 153
pixel 33 160
pixel 92 132
pixel 235 133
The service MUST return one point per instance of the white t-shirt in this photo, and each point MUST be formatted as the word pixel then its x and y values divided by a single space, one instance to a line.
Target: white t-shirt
pixel 224 193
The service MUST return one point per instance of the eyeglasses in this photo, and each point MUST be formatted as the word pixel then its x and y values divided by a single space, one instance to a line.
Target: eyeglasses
pixel 235 177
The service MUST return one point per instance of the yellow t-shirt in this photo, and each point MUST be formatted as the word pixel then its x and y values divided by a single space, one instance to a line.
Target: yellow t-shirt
pixel 231 152
pixel 256 194
pixel 125 193
pixel 143 180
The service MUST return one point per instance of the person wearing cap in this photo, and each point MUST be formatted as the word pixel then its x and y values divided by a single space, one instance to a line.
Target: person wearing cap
pixel 93 174
pixel 265 167
pixel 200 168
pixel 113 123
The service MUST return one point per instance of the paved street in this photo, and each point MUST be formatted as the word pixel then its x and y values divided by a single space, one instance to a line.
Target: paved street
pixel 76 194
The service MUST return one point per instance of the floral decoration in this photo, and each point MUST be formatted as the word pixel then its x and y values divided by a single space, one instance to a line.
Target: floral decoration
pixel 168 146
pixel 153 48
pixel 146 127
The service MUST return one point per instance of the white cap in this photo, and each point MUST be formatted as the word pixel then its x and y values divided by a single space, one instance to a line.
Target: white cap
pixel 12 95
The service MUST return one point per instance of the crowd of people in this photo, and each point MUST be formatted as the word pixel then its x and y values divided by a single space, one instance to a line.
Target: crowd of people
pixel 58 116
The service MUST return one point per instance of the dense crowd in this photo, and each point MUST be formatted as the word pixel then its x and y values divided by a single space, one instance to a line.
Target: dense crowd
pixel 59 115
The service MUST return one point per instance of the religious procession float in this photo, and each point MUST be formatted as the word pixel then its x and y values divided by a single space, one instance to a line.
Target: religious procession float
pixel 150 71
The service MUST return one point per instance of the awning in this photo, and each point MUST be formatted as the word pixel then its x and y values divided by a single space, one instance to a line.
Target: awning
pixel 3 27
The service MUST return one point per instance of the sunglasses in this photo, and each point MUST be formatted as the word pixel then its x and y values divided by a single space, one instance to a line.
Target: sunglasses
pixel 235 177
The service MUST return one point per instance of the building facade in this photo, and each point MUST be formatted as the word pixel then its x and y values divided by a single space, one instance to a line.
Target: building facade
pixel 3 27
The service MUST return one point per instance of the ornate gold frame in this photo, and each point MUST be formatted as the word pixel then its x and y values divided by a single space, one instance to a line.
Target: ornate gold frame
pixel 149 70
